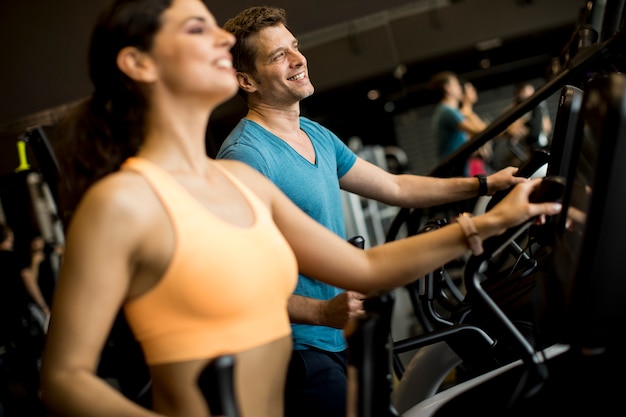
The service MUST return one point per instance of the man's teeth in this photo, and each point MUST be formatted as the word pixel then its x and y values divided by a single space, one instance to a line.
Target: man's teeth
pixel 225 63
pixel 296 77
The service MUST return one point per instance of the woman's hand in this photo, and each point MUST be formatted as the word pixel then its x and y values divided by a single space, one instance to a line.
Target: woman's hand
pixel 516 207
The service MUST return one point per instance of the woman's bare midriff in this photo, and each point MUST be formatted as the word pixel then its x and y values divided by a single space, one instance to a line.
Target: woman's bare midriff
pixel 259 383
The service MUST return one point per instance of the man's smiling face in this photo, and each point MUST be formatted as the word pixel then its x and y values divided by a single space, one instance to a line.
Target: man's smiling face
pixel 281 75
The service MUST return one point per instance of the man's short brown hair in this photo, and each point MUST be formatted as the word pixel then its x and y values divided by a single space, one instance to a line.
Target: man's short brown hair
pixel 247 23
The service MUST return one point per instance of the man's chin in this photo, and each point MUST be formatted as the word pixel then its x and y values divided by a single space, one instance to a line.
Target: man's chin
pixel 308 93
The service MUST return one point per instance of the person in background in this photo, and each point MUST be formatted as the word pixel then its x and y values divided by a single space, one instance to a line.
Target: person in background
pixel 26 291
pixel 311 165
pixel 34 280
pixel 452 124
pixel 528 133
pixel 536 124
pixel 21 334
pixel 201 255
pixel 478 162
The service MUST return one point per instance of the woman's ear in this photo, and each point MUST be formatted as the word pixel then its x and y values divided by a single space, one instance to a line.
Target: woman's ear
pixel 246 82
pixel 136 64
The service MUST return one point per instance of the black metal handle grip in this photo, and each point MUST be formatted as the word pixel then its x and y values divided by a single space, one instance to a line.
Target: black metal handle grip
pixel 216 382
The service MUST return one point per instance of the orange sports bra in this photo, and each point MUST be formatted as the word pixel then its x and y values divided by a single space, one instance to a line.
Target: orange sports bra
pixel 226 287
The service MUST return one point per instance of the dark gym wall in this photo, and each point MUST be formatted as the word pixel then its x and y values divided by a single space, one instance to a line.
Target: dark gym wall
pixel 44 42
pixel 44 45
pixel 43 50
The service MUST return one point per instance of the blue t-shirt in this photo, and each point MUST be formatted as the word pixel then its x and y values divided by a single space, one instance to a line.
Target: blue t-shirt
pixel 445 124
pixel 313 187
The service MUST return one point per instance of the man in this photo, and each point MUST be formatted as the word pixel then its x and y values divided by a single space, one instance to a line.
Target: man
pixel 453 125
pixel 310 164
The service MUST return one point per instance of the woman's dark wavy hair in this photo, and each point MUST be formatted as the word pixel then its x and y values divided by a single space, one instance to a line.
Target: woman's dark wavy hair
pixel 108 127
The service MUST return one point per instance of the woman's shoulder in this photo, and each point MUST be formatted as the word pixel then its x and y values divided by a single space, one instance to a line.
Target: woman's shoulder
pixel 119 195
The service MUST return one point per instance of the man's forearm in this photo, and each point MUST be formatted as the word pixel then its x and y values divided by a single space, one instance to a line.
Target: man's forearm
pixel 305 310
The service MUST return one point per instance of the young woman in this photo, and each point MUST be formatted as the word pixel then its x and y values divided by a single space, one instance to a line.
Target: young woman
pixel 201 255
